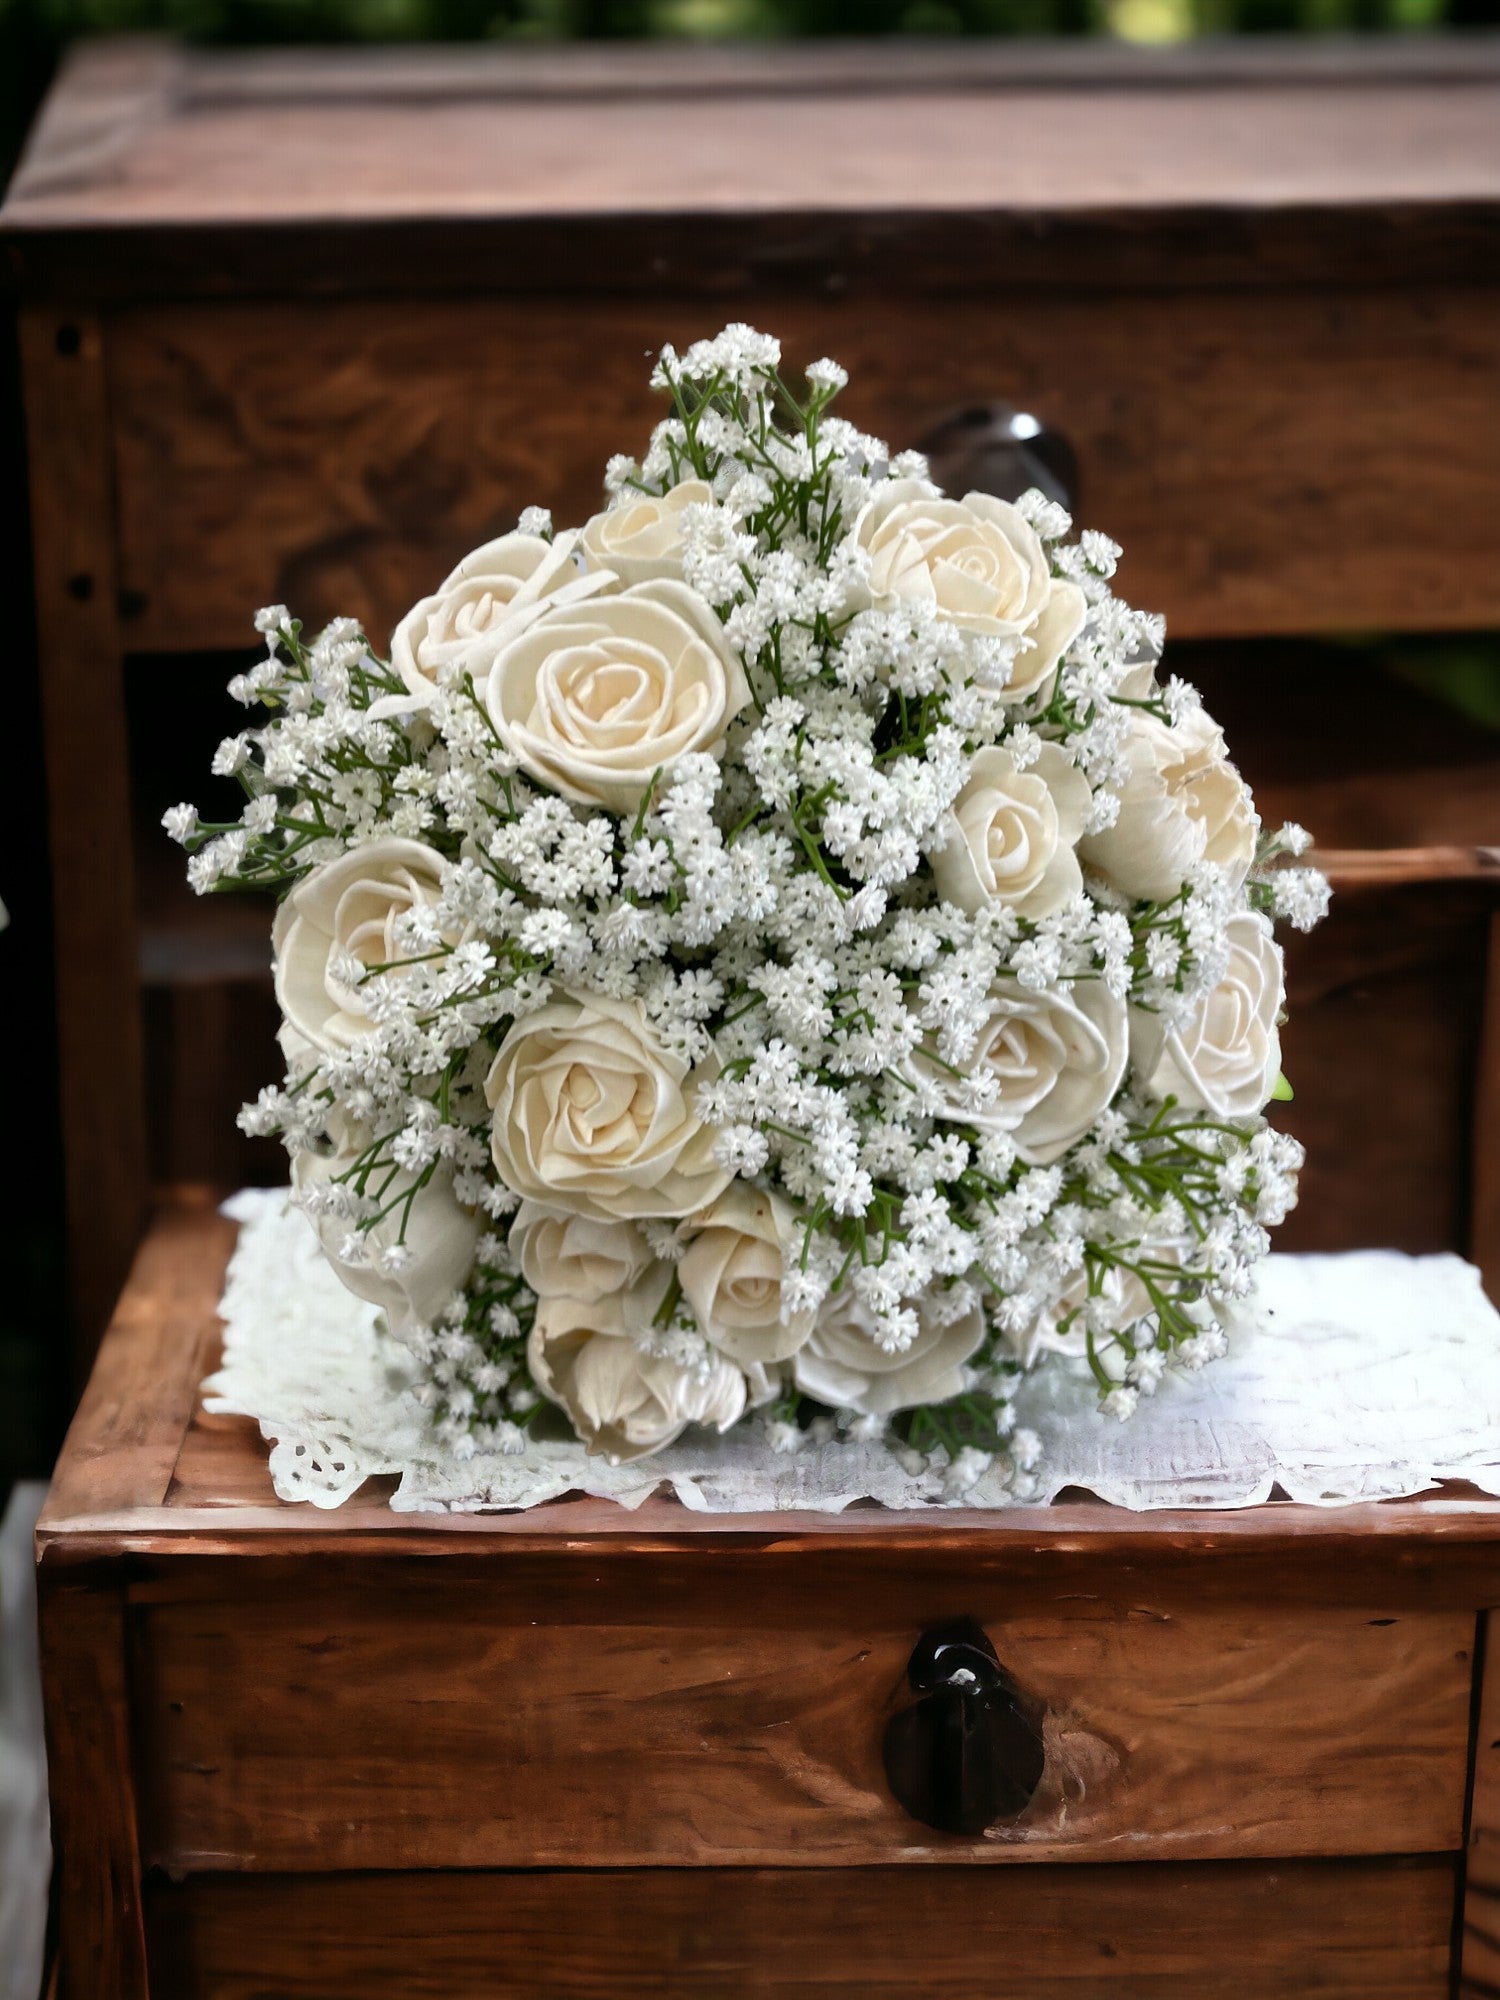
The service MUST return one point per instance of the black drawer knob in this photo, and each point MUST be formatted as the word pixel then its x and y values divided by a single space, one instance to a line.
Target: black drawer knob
pixel 967 1753
pixel 993 448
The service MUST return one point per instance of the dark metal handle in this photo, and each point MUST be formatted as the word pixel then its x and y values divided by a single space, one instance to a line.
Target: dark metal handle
pixel 968 1752
pixel 995 448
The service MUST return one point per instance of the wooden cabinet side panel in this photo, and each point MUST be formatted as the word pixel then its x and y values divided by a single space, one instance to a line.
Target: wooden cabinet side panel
pixel 1479 1930
pixel 102 1953
pixel 88 787
pixel 1484 1240
pixel 1375 1931
pixel 727 1712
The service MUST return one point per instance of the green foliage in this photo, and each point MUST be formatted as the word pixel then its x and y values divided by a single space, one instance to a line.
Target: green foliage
pixel 252 21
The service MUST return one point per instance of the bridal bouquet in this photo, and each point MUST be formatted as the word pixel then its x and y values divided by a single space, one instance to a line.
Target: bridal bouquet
pixel 779 951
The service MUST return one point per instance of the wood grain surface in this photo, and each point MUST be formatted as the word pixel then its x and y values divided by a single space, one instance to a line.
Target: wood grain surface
pixel 83 716
pixel 1479 1941
pixel 951 144
pixel 720 170
pixel 284 1683
pixel 1268 461
pixel 1309 1931
pixel 145 1467
pixel 96 1858
pixel 682 1714
pixel 1484 1237
pixel 143 1392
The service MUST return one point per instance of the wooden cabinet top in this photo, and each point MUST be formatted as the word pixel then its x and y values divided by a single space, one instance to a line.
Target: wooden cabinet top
pixel 157 169
pixel 146 1474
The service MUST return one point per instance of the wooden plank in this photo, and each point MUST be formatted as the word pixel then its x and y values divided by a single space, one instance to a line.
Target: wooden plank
pixel 152 78
pixel 1233 1932
pixel 938 148
pixel 96 1860
pixel 735 263
pixel 674 1713
pixel 1479 1939
pixel 84 742
pixel 1247 451
pixel 153 136
pixel 140 1399
pixel 700 168
pixel 1439 1552
pixel 1484 1241
pixel 1404 867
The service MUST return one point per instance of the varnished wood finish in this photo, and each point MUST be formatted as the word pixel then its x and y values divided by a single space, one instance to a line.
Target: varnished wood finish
pixel 660 1714
pixel 1440 1553
pixel 1214 1932
pixel 1402 867
pixel 98 1026
pixel 1479 1945
pixel 310 1690
pixel 1254 454
pixel 143 1391
pixel 96 1859
pixel 1486 1128
pixel 968 170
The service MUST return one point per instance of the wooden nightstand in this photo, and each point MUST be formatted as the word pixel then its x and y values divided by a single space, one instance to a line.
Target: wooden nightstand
pixel 584 1752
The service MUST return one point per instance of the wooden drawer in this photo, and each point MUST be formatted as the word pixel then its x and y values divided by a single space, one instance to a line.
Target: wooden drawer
pixel 1273 461
pixel 719 1710
pixel 1311 1931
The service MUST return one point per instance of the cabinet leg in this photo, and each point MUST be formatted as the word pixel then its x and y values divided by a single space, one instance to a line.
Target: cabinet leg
pixel 83 720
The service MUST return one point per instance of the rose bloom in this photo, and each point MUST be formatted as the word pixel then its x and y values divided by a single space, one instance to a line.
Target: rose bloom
pixel 353 904
pixel 1056 1060
pixel 623 1402
pixel 594 699
pixel 1182 802
pixel 1227 1058
pixel 440 1234
pixel 979 563
pixel 592 1115
pixel 1012 834
pixel 843 1364
pixel 490 589
pixel 577 1256
pixel 641 537
pixel 731 1275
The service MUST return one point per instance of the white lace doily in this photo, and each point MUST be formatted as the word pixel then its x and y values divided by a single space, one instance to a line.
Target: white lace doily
pixel 1365 1376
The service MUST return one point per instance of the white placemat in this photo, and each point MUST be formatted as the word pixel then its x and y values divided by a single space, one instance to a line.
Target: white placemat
pixel 1364 1376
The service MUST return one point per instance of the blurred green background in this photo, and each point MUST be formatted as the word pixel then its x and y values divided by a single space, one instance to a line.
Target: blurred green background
pixel 465 20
